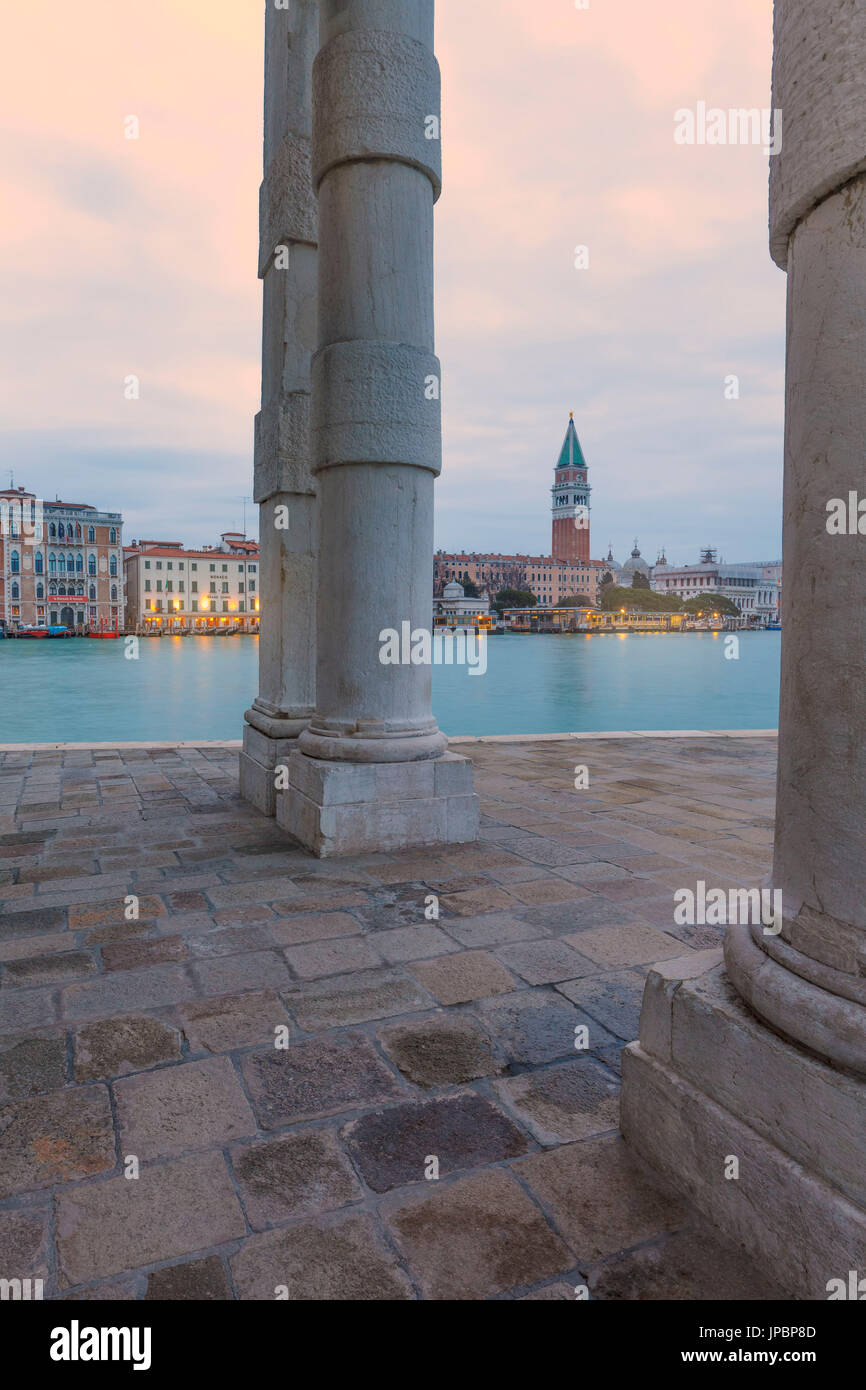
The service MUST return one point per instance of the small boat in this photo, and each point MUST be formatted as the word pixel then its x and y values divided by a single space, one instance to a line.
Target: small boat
pixel 774 627
pixel 33 632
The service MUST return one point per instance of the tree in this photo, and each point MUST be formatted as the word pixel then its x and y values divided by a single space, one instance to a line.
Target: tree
pixel 606 578
pixel 639 581
pixel 576 601
pixel 640 600
pixel 514 598
pixel 711 603
pixel 470 588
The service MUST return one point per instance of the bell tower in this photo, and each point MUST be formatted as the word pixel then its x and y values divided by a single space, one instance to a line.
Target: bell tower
pixel 570 502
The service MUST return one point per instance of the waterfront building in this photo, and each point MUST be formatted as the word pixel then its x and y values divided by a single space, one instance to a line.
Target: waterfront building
pixel 172 589
pixel 552 619
pixel 453 603
pixel 61 564
pixel 754 588
pixel 635 564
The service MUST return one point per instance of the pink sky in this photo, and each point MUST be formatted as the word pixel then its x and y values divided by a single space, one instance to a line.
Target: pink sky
pixel 123 257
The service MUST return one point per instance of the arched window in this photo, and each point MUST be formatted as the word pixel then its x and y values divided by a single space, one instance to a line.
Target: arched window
pixel 91 564
pixel 114 593
pixel 91 534
pixel 13 527
pixel 38 562
pixel 52 563
pixel 79 564
pixel 40 590
pixel 79 589
pixel 16 592
pixel 14 562
pixel 52 587
pixel 78 530
pixel 61 564
pixel 112 566
pixel 92 592
pixel 52 531
pixel 112 537
pixel 60 531
pixel 70 564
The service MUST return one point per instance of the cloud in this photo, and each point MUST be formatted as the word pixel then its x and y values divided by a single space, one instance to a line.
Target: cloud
pixel 139 256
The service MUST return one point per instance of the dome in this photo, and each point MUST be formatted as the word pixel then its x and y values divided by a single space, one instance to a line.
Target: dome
pixel 453 590
pixel 613 565
pixel 636 562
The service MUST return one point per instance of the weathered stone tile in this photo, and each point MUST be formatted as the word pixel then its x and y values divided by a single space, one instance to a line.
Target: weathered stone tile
pixel 493 930
pixel 546 890
pixel 24 1009
pixel 324 1076
pixel 318 926
pixel 197 1105
pixel 113 912
pixel 173 1209
pixel 599 1197
pixel 24 1244
pixel 300 1174
pixel 632 945
pixel 117 1046
pixel 544 962
pixel 49 970
pixel 323 1261
pixel 120 931
pixel 184 900
pixel 488 899
pixel 199 1281
pixel 20 949
pixel 476 1237
pixel 413 943
pixel 31 922
pixel 394 1146
pixel 55 1138
pixel 319 958
pixel 692 1266
pixel 30 1064
pixel 440 1050
pixel 253 970
pixel 534 1026
pixel 264 890
pixel 124 991
pixel 458 979
pixel 226 1022
pixel 613 999
pixel 132 955
pixel 573 1100
pixel 230 942
pixel 544 851
pixel 355 998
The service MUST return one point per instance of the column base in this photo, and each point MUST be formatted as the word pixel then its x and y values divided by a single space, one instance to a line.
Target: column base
pixel 260 756
pixel 708 1083
pixel 337 808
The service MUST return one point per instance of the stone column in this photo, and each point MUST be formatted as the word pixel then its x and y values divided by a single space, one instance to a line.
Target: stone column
pixel 765 1060
pixel 284 484
pixel 373 772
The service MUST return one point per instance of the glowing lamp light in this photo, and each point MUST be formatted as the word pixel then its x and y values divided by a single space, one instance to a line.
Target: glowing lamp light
pixel 205 603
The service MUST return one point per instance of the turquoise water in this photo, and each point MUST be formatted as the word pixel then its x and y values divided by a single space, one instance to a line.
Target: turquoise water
pixel 81 691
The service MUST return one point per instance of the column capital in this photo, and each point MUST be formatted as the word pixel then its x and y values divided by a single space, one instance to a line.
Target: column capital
pixel 819 87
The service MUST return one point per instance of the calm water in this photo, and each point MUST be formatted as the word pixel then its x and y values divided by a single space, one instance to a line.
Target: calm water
pixel 80 691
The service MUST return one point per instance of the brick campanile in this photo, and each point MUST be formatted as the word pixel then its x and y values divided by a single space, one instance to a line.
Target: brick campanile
pixel 570 504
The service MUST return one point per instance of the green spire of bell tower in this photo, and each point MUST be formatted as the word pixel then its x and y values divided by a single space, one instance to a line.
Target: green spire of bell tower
pixel 572 454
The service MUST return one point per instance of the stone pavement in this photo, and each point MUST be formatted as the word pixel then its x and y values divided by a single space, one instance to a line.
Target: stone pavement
pixel 286 1051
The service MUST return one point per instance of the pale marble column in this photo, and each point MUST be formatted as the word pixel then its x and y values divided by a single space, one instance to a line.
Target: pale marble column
pixel 285 487
pixel 373 771
pixel 764 1060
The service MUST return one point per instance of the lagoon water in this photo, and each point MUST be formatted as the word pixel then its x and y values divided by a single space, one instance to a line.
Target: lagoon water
pixel 188 688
